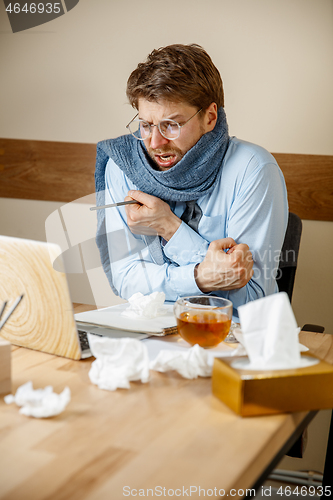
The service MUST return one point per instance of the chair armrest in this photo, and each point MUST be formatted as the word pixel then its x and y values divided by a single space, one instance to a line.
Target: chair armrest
pixel 313 328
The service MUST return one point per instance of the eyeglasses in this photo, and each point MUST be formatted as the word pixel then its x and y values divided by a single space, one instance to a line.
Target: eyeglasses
pixel 169 129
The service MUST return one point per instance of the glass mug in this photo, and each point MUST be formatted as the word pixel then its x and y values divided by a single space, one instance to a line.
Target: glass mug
pixel 203 319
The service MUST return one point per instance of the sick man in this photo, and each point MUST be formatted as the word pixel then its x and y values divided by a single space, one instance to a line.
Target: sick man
pixel 211 211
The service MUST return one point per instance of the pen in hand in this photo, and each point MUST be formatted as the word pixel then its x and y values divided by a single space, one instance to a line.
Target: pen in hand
pixel 116 204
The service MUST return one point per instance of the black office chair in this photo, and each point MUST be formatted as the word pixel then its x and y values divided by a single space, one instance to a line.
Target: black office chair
pixel 288 263
pixel 289 255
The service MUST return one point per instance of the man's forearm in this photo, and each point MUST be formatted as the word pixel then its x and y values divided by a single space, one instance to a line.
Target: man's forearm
pixel 169 227
pixel 146 277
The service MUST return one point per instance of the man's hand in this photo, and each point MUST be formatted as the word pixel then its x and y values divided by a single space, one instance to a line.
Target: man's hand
pixel 151 216
pixel 222 270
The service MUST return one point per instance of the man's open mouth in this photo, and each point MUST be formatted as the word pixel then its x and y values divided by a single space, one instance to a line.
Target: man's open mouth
pixel 166 157
pixel 165 160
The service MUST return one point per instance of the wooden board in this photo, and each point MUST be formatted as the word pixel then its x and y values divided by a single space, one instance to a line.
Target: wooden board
pixel 43 170
pixel 309 180
pixel 43 320
pixel 64 171
pixel 170 432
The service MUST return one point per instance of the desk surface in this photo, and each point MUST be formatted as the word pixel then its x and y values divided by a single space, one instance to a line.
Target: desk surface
pixel 171 433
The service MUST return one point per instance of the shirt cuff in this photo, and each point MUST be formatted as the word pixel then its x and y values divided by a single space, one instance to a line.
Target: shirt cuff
pixel 182 280
pixel 186 246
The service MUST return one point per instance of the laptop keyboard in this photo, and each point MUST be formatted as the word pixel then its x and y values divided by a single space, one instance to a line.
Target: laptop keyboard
pixel 83 338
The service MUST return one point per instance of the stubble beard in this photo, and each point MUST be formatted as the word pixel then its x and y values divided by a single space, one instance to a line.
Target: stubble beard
pixel 169 151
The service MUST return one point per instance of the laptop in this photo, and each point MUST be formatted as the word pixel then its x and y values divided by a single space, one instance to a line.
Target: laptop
pixel 43 319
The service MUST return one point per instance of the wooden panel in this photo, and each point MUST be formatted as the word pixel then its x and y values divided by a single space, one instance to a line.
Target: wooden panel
pixel 171 432
pixel 309 180
pixel 43 320
pixel 43 170
pixel 105 440
pixel 64 171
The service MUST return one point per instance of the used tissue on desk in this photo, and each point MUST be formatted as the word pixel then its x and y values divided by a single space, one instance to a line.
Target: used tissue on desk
pixel 190 364
pixel 39 403
pixel 118 361
pixel 145 306
pixel 270 335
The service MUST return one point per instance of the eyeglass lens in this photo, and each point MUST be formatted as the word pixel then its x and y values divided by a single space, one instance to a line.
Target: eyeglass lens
pixel 168 128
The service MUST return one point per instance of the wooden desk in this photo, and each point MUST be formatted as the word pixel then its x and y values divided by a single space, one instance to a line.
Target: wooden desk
pixel 170 433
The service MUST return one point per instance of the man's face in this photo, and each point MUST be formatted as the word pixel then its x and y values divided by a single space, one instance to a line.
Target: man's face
pixel 164 152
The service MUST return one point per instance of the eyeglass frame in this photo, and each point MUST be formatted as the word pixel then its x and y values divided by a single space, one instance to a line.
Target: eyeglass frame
pixel 158 126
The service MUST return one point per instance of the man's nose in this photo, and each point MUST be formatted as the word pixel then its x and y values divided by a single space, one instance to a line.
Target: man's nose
pixel 157 140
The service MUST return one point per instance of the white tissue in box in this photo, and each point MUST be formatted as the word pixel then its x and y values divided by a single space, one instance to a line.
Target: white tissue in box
pixel 270 334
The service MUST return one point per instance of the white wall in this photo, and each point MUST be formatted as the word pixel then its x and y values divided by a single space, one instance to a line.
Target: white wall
pixel 65 81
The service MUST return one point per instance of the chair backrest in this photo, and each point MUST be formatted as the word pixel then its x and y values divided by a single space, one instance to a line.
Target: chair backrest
pixel 289 255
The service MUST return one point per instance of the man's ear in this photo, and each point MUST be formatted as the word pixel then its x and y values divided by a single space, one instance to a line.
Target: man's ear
pixel 211 116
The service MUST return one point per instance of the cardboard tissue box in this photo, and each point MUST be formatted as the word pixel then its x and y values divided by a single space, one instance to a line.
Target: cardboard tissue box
pixel 250 392
pixel 275 378
pixel 5 367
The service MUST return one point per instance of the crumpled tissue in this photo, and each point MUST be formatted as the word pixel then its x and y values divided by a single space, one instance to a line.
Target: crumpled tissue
pixel 118 361
pixel 145 306
pixel 39 403
pixel 270 335
pixel 190 364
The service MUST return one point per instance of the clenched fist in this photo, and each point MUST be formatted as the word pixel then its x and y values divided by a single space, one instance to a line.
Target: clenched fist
pixel 222 270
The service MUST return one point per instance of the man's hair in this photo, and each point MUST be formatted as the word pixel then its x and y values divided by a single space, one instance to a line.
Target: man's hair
pixel 177 73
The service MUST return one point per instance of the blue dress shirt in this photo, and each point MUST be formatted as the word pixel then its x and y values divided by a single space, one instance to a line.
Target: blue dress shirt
pixel 248 204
